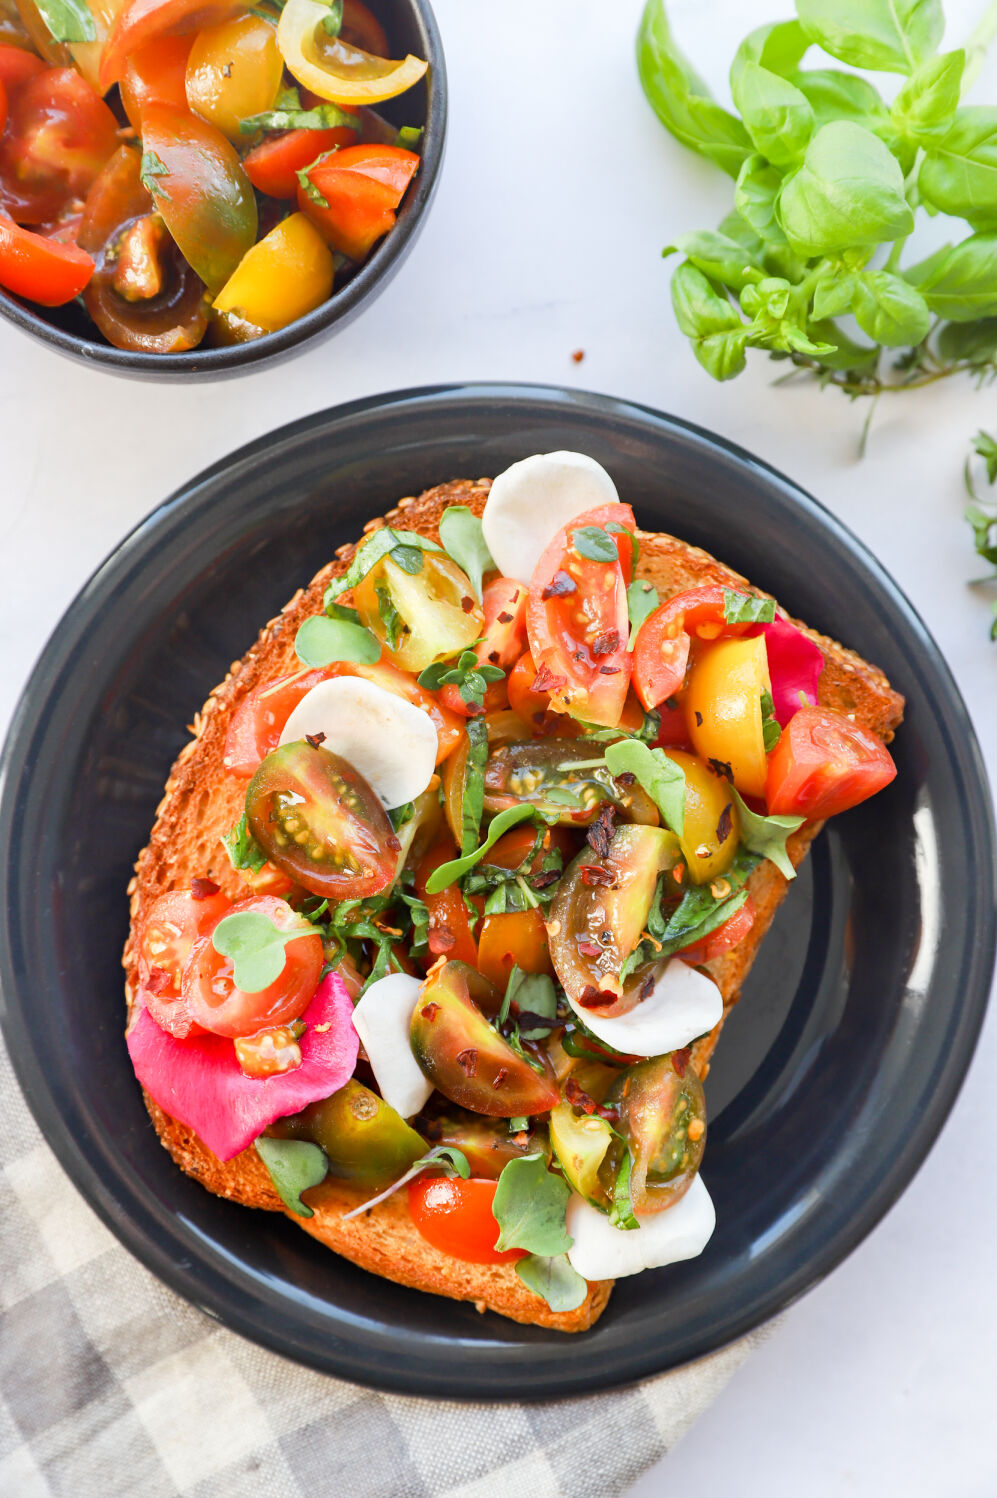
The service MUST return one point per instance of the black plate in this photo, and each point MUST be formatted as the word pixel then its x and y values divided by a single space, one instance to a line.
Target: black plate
pixel 857 1022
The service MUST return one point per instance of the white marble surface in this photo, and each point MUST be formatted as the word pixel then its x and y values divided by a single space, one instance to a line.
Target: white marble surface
pixel 558 192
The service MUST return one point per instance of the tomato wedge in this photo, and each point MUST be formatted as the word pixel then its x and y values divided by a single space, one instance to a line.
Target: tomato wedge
pixel 39 268
pixel 450 932
pixel 722 939
pixel 156 74
pixel 140 22
pixel 273 166
pixel 59 134
pixel 352 194
pixel 825 764
pixel 218 1005
pixel 17 66
pixel 661 650
pixel 577 620
pixel 174 922
pixel 456 1217
pixel 331 66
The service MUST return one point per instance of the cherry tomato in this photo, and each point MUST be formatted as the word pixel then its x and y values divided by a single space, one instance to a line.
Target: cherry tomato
pixel 333 68
pixel 13 32
pixel 450 932
pixel 361 187
pixel 39 268
pixel 722 939
pixel 273 166
pixel 437 616
pixel 661 650
pixel 157 74
pixel 455 1216
pixel 577 622
pixel 674 731
pixel 516 938
pixel 286 275
pixel 143 294
pixel 528 704
pixel 318 820
pixel 234 70
pixel 208 982
pixel 362 29
pixel 824 764
pixel 486 1143
pixel 17 66
pixel 711 826
pixel 203 195
pixel 723 709
pixel 140 22
pixel 504 604
pixel 662 1117
pixel 58 135
pixel 174 922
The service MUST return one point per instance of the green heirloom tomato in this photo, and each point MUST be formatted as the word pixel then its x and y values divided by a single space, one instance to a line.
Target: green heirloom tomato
pixel 487 1146
pixel 364 1139
pixel 543 774
pixel 662 1117
pixel 581 1144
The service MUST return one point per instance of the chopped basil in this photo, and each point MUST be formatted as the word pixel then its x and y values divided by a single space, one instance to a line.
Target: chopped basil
pixel 409 136
pixel 464 542
pixel 449 873
pixel 536 1001
pixel 244 852
pixel 701 911
pixel 151 169
pixel 392 620
pixel 399 545
pixel 771 731
pixel 745 608
pixel 621 1213
pixel 473 802
pixel 294 117
pixel 67 20
pixel 642 600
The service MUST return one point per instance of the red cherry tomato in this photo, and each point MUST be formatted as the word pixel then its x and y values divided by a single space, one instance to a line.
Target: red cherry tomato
pixel 58 135
pixel 726 936
pixel 661 650
pixel 174 922
pixel 273 166
pixel 140 22
pixel 524 701
pixel 455 1216
pixel 504 603
pixel 824 764
pixel 361 187
pixel 450 932
pixel 17 66
pixel 577 620
pixel 208 983
pixel 39 268
pixel 674 732
pixel 156 74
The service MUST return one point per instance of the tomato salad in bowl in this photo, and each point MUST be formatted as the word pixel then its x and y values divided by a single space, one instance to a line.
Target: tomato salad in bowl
pixel 511 829
pixel 175 176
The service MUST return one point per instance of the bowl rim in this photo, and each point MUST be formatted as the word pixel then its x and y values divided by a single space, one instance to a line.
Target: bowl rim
pixel 222 1297
pixel 341 307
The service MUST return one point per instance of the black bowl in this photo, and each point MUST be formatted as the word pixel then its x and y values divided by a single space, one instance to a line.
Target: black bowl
pixel 412 28
pixel 836 1071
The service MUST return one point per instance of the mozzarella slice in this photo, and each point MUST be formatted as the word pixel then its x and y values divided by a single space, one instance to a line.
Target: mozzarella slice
pixel 382 1019
pixel 683 1005
pixel 602 1252
pixel 528 504
pixel 390 742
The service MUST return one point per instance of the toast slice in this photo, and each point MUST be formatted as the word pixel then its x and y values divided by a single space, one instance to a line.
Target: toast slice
pixel 202 802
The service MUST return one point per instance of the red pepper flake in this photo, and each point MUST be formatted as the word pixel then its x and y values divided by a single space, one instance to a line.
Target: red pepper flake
pixel 500 1076
pixel 726 823
pixel 493 656
pixel 468 1061
pixel 158 981
pixel 647 987
pixel 430 1011
pixel 595 998
pixel 203 889
pixel 588 948
pixel 578 356
pixel 720 766
pixel 601 831
pixel 578 1097
pixel 626 780
pixel 609 670
pixel 315 739
pixel 680 1060
pixel 594 874
pixel 467 604
pixel 440 939
pixel 546 681
pixel 393 842
pixel 547 876
pixel 606 643
pixel 505 618
pixel 560 585
pixel 699 720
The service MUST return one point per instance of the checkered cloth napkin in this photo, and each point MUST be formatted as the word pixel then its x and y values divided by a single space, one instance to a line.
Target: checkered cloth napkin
pixel 113 1387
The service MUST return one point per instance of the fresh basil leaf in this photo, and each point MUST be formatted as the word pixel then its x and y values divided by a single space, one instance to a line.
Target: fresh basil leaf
pixel 536 999
pixel 848 194
pixel 847 354
pixel 408 558
pixel 887 36
pixel 984 533
pixel 529 1206
pixel 323 116
pixel 985 447
pixel 745 608
pixel 321 641
pixel 718 257
pixel 972 343
pixel 400 816
pixel 67 20
pixel 595 543
pixel 779 118
pixel 659 776
pixel 834 95
pixel 394 624
pixel 889 309
pixel 553 1279
pixel 716 331
pixel 961 283
pixel 642 600
pixel 473 800
pixel 244 852
pixel 926 105
pixel 779 47
pixel 255 946
pixel 767 836
pixel 150 171
pixel 332 24
pixel 621 1213
pixel 311 192
pixel 464 542
pixel 959 172
pixel 755 194
pixel 833 295
pixel 771 727
pixel 681 99
pixel 449 873
pixel 379 544
pixel 293 1165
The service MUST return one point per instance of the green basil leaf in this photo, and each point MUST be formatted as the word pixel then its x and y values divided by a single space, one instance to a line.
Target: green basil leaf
pixel 889 309
pixel 984 529
pixel 834 95
pixel 394 624
pixel 700 911
pixel 718 257
pixel 255 946
pixel 771 727
pixel 378 545
pixel 926 105
pixel 294 1165
pixel 595 543
pixel 244 852
pixel 972 343
pixel 849 193
pixel 847 354
pixel 473 800
pixel 794 338
pixel 833 295
pixel 642 600
pixel 464 542
pixel 779 118
pixel 621 1213
pixel 680 98
pixel 448 873
pixel 67 20
pixel 959 172
pixel 767 836
pixel 888 36
pixel 536 998
pixel 321 641
pixel 745 608
pixel 529 1206
pixel 779 47
pixel 961 283
pixel 659 776
pixel 755 195
pixel 717 333
pixel 408 558
pixel 321 117
pixel 985 447
pixel 552 1278
pixel 150 171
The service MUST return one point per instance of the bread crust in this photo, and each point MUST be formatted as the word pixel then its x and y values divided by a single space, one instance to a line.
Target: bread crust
pixel 201 802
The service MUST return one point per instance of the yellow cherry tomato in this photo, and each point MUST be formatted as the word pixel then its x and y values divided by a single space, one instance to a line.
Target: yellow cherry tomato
pixel 723 708
pixel 431 614
pixel 332 68
pixel 286 275
pixel 234 70
pixel 710 811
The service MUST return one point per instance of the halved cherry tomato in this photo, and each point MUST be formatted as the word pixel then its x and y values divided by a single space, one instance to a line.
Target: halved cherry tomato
pixel 723 708
pixel 273 166
pixel 174 922
pixel 362 29
pixel 450 932
pixel 58 135
pixel 722 939
pixel 156 74
pixel 825 764
pixel 209 987
pixel 143 21
pixel 234 71
pixel 361 187
pixel 515 938
pixel 331 66
pixel 39 268
pixel 17 66
pixel 456 1217
pixel 527 703
pixel 577 621
pixel 504 603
